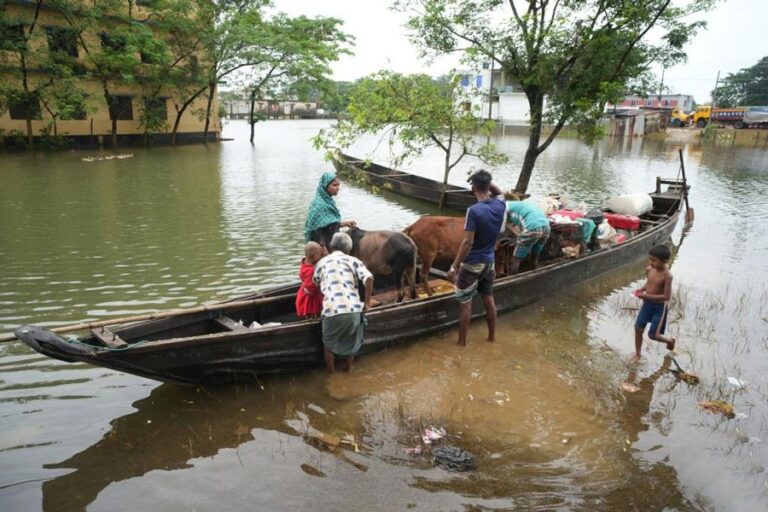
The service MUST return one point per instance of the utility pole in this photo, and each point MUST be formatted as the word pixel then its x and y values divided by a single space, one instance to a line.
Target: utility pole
pixel 714 92
pixel 490 92
pixel 661 85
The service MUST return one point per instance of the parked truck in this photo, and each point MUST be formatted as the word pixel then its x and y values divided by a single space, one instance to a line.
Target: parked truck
pixel 738 117
pixel 678 117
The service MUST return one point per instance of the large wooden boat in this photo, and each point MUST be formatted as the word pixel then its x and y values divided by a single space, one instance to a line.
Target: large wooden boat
pixel 216 346
pixel 403 183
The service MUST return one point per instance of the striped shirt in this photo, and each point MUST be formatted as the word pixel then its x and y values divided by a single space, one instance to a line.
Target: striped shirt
pixel 337 275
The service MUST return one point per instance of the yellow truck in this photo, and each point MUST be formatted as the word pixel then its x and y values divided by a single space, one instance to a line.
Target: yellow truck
pixel 678 117
pixel 722 116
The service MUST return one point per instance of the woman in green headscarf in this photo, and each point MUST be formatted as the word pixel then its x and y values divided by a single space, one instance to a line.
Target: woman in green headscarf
pixel 324 219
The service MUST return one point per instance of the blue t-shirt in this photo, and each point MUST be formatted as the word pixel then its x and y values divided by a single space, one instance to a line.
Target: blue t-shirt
pixel 486 219
pixel 526 216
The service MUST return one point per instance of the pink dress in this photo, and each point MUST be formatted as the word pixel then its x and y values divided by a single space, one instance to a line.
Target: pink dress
pixel 309 300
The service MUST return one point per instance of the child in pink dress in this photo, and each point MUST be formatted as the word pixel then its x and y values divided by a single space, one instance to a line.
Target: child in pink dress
pixel 309 300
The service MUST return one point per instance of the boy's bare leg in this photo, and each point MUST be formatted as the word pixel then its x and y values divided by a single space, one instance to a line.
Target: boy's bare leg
pixel 668 340
pixel 465 315
pixel 638 344
pixel 329 361
pixel 490 316
pixel 350 362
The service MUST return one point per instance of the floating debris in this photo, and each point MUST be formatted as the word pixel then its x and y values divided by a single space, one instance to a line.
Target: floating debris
pixel 329 441
pixel 413 450
pixel 432 434
pixel 688 378
pixel 453 458
pixel 733 381
pixel 629 387
pixel 99 158
pixel 718 406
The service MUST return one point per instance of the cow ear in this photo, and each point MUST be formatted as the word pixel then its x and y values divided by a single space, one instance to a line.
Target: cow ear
pixel 526 196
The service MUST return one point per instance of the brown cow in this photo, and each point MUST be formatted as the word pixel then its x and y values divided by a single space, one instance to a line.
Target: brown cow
pixel 438 239
pixel 387 253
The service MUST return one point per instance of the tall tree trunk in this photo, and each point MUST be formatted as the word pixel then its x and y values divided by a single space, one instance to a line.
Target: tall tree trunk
pixel 112 113
pixel 27 104
pixel 536 104
pixel 251 119
pixel 180 112
pixel 211 91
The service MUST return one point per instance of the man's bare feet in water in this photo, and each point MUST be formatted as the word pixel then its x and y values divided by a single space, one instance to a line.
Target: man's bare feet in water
pixel 635 358
pixel 671 344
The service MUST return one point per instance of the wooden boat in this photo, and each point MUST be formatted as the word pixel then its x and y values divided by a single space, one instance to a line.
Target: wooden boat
pixel 400 182
pixel 212 347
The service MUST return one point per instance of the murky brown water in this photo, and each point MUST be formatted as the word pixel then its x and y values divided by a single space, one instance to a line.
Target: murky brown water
pixel 541 409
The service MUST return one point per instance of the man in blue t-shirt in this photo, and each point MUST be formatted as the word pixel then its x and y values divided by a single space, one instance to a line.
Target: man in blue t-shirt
pixel 473 267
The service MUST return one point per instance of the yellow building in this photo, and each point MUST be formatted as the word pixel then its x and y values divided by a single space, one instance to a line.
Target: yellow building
pixel 46 33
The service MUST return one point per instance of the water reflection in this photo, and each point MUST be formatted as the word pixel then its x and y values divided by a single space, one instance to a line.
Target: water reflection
pixel 175 227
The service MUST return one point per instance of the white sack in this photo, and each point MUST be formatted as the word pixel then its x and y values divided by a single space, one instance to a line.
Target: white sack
pixel 630 204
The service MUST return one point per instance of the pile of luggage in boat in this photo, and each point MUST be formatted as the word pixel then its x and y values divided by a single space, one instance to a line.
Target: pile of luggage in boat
pixel 580 230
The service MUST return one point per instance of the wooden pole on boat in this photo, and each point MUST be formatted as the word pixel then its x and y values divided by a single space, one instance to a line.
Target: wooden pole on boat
pixel 160 314
pixel 688 210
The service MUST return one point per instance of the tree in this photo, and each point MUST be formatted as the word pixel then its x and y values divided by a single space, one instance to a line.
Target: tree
pixel 575 55
pixel 416 113
pixel 749 86
pixel 15 37
pixel 292 57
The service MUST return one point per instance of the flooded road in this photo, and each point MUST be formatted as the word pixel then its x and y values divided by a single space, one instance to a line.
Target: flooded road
pixel 541 409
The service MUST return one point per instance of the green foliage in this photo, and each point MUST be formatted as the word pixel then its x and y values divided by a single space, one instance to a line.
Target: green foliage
pixel 748 86
pixel 578 54
pixel 413 113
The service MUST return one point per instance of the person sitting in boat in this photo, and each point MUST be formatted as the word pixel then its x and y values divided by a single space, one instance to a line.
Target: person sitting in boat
pixel 323 218
pixel 534 231
pixel 343 320
pixel 309 300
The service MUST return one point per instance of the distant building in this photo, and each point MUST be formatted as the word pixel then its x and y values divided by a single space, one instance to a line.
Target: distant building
pixel 274 109
pixel 506 101
pixel 54 38
pixel 683 101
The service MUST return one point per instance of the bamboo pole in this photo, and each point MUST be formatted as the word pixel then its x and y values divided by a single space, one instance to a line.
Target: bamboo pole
pixel 221 306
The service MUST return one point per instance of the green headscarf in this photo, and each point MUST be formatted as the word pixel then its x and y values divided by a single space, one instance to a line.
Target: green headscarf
pixel 323 210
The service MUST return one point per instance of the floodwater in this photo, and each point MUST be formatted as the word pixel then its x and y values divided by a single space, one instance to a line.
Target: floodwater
pixel 541 409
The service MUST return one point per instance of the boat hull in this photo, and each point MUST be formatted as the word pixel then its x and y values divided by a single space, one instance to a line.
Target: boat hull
pixel 405 184
pixel 226 357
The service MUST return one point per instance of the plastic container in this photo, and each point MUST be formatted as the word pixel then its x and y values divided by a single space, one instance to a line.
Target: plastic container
pixel 571 214
pixel 620 238
pixel 629 222
pixel 595 216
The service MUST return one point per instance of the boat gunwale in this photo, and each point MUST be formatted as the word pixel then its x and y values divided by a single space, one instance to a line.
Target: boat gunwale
pixel 401 307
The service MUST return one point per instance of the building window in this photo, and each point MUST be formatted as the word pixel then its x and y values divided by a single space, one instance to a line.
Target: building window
pixel 12 37
pixel 121 108
pixel 465 80
pixel 62 40
pixel 479 81
pixel 112 43
pixel 156 108
pixel 17 107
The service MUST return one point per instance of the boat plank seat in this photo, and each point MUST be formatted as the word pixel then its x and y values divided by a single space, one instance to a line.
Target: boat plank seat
pixel 229 324
pixel 108 338
pixel 651 222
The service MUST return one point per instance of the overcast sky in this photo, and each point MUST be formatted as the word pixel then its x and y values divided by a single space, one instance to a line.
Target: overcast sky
pixel 736 38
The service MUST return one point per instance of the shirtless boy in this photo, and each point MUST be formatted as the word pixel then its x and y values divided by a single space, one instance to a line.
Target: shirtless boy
pixel 655 294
